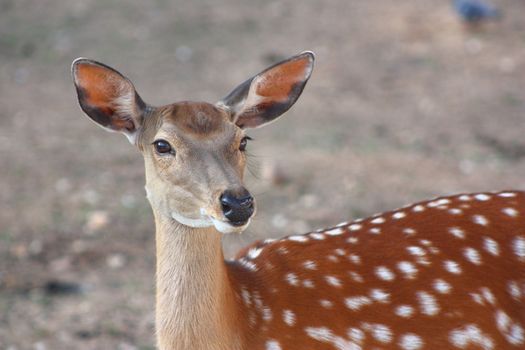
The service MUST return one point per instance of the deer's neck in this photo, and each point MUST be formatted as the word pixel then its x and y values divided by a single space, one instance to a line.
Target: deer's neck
pixel 195 306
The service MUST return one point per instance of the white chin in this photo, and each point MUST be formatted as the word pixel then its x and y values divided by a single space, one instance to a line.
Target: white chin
pixel 197 223
pixel 224 227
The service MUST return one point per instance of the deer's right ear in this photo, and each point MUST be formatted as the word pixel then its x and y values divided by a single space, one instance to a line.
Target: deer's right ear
pixel 108 98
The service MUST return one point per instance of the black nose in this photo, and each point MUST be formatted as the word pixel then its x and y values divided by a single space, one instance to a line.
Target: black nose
pixel 237 206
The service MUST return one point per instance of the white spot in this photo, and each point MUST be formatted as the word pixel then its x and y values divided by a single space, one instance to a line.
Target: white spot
pixel 472 255
pixel 415 250
pixel 273 345
pixel 282 250
pixel 327 304
pixel 258 301
pixel 487 294
pixel 511 330
pixel 356 259
pixel 267 314
pixel 247 264
pixel 441 286
pixel 352 240
pixel 380 296
pixel 478 299
pixel 333 281
pixel 335 231
pixel 375 230
pixel 333 258
pixel 398 215
pixel 354 227
pixel 246 297
pixel 408 269
pixel 298 238
pixel 380 332
pixel 438 203
pixel 418 208
pixel 457 232
pixel 405 311
pixel 378 220
pixel 482 197
pixel 480 220
pixel 514 290
pixel 317 236
pixel 519 247
pixel 410 341
pixel 385 273
pixel 427 303
pixel 325 335
pixel 254 253
pixel 510 212
pixel 455 211
pixel 310 265
pixel 491 246
pixel 409 231
pixel 356 303
pixel 292 279
pixel 340 251
pixel 308 284
pixel 344 223
pixel 470 335
pixel 452 267
pixel 289 317
pixel 464 198
pixel 356 277
pixel 507 194
pixel 356 335
pixel 320 333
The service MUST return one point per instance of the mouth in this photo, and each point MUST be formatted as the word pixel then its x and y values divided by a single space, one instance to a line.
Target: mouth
pixel 205 220
pixel 229 226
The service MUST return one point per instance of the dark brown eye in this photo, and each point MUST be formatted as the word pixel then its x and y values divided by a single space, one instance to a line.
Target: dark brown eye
pixel 162 147
pixel 244 142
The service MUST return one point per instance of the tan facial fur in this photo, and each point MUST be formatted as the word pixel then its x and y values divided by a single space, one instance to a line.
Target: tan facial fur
pixel 207 161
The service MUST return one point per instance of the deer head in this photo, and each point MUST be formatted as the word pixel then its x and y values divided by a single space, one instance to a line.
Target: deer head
pixel 194 152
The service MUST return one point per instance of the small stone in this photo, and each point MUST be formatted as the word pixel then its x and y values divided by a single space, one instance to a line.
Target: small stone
pixel 116 261
pixel 96 221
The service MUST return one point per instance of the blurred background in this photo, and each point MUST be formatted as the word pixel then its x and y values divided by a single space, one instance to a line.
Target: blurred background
pixel 408 100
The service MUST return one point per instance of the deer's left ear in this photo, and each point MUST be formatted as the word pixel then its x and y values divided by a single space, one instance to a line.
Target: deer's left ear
pixel 269 94
pixel 108 98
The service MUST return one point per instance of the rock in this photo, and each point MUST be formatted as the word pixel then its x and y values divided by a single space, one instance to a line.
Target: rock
pixel 96 221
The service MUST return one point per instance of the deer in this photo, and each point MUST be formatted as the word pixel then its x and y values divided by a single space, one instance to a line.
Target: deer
pixel 446 273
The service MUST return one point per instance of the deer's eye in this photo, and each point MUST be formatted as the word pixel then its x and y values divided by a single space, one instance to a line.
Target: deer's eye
pixel 163 147
pixel 244 142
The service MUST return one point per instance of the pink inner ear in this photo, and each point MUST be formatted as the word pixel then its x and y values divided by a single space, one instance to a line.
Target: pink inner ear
pixel 277 83
pixel 101 86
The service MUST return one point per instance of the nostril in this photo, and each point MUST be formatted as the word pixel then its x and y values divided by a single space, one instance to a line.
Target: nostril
pixel 246 202
pixel 225 204
pixel 237 209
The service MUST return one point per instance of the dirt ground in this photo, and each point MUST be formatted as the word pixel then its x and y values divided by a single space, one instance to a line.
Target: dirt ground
pixel 405 103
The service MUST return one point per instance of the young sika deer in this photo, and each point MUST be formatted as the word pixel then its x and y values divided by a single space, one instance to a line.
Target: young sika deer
pixel 443 274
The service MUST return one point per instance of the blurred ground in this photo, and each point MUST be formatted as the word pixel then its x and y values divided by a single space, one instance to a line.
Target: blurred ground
pixel 405 103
